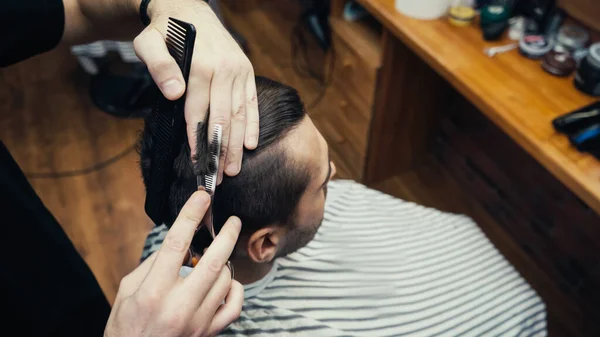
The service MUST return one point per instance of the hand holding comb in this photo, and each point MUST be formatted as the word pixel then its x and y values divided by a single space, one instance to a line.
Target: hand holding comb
pixel 169 120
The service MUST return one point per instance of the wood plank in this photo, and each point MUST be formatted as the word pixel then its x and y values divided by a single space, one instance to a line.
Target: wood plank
pixel 514 92
pixel 362 38
pixel 402 120
pixel 268 35
pixel 50 125
pixel 353 75
pixel 586 11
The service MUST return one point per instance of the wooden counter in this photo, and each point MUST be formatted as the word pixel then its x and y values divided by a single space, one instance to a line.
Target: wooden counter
pixel 512 91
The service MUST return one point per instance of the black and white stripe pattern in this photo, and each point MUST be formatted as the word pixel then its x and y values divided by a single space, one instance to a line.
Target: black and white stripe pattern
pixel 153 241
pixel 381 266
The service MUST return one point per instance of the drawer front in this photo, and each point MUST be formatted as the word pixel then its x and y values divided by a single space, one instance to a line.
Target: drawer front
pixel 345 129
pixel 352 74
pixel 544 218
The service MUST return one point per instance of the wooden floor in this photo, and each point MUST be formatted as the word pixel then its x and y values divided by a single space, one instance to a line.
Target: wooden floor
pixel 50 125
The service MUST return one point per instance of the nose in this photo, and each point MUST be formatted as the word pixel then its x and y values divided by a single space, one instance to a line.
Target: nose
pixel 333 170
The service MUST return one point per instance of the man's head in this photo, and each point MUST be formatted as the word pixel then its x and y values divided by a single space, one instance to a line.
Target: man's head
pixel 280 191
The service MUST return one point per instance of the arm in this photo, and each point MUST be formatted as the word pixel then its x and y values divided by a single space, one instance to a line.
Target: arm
pixel 34 27
pixel 153 300
pixel 89 20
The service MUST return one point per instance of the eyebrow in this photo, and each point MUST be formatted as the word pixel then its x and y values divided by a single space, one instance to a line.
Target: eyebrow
pixel 328 173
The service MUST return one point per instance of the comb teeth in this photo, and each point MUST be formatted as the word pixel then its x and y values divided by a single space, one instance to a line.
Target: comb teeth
pixel 215 151
pixel 210 184
pixel 215 148
pixel 180 37
pixel 175 43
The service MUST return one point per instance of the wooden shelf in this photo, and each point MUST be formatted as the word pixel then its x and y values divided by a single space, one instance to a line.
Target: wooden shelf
pixel 514 92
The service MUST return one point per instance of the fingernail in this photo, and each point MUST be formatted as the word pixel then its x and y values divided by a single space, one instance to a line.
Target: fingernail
pixel 219 179
pixel 232 168
pixel 236 222
pixel 200 198
pixel 171 88
pixel 253 141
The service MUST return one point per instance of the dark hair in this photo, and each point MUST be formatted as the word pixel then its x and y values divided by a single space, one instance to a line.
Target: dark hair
pixel 270 184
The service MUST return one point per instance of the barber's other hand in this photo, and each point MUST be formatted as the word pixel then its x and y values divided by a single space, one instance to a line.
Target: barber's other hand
pixel 220 74
pixel 154 300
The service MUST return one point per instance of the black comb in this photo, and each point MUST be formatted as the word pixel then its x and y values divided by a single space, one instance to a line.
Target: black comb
pixel 168 119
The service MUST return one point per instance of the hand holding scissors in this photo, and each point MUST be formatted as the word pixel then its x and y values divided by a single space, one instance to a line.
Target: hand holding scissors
pixel 155 300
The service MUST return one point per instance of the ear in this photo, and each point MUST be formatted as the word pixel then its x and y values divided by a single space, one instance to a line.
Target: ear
pixel 264 244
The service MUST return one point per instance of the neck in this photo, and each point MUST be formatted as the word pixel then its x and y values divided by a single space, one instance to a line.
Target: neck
pixel 247 272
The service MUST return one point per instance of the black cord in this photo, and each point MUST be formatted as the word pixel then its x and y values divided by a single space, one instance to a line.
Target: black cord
pixel 79 172
pixel 298 41
pixel 326 85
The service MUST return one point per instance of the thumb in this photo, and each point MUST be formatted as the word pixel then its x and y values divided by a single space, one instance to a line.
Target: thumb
pixel 150 47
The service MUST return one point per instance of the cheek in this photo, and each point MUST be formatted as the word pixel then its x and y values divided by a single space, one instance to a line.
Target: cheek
pixel 313 213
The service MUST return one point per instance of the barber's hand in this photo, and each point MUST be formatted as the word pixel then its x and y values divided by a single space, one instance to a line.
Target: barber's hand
pixel 220 74
pixel 154 300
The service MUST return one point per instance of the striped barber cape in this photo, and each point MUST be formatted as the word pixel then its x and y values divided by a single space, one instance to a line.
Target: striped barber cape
pixel 381 266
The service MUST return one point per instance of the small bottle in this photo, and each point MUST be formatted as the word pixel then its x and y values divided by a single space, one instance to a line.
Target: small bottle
pixel 516 29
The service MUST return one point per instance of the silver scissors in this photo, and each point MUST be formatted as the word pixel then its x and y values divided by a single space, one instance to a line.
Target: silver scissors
pixel 208 182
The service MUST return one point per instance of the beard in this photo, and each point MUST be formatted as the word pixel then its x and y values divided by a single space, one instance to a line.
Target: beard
pixel 298 237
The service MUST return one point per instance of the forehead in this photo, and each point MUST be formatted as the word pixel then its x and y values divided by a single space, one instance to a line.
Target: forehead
pixel 307 146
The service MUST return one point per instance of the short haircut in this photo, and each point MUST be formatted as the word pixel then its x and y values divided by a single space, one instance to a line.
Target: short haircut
pixel 270 184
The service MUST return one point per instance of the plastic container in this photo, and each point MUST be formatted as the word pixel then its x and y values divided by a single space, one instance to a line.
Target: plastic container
pixel 587 78
pixel 494 14
pixel 572 37
pixel 423 9
pixel 461 13
pixel 535 46
pixel 559 62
